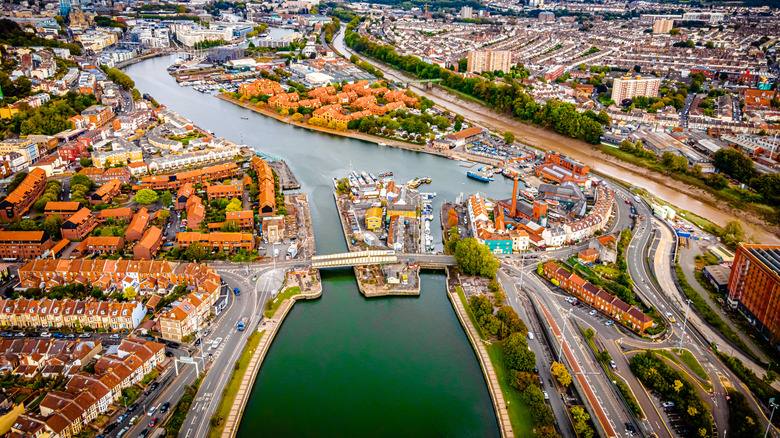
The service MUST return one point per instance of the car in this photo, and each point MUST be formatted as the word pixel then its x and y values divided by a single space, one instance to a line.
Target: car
pixel 45 335
pixel 84 335
pixel 153 422
pixel 121 418
pixel 143 433
pixel 154 386
pixel 592 312
pixel 215 343
pixel 123 431
pixel 197 342
pixel 608 323
pixel 8 334
pixel 19 334
pixel 132 407
pixel 151 411
pixel 109 428
pixel 668 404
pixel 114 336
pixel 132 420
pixel 165 407
pixel 612 364
pixel 628 202
pixel 168 354
pixel 630 428
pixel 546 396
pixel 531 336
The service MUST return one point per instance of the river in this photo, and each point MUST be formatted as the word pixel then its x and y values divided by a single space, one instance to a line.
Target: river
pixel 342 364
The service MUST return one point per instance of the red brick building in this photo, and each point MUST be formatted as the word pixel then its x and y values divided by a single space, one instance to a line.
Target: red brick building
pixel 754 287
pixel 24 195
pixel 79 225
pixel 148 246
pixel 64 209
pixel 225 192
pixel 24 245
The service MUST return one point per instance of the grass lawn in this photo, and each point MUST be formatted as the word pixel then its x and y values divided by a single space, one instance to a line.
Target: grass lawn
pixel 667 354
pixel 690 361
pixel 289 292
pixel 465 303
pixel 229 393
pixel 519 413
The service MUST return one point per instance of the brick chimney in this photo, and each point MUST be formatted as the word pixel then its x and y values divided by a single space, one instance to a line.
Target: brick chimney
pixel 513 208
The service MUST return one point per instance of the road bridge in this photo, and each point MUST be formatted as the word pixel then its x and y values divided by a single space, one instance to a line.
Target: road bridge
pixel 358 258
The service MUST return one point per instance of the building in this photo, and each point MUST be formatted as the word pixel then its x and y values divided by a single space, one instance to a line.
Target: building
pixel 183 195
pixel 99 175
pixel 79 225
pixel 98 115
pixel 187 317
pixel 115 214
pixel 24 195
pixel 546 16
pixel 663 26
pixel 64 209
pixel 105 193
pixel 629 87
pixel 466 12
pixel 374 218
pixel 219 191
pixel 148 246
pixel 138 225
pixel 489 60
pixel 244 220
pixel 215 242
pixel 754 287
pixel 168 182
pixel 100 245
pixel 465 136
pixel 24 245
pixel 25 146
pixel 553 73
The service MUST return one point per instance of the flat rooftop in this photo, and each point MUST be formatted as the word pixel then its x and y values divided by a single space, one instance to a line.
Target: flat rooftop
pixel 768 255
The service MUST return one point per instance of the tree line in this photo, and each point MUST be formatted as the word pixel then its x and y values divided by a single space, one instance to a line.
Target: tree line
pixel 50 118
pixel 11 34
pixel 508 97
pixel 658 376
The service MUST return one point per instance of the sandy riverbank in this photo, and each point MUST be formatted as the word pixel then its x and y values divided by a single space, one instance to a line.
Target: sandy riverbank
pixel 355 134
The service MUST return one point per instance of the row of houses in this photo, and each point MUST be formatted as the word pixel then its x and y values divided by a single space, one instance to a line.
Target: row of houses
pixel 48 314
pixel 599 299
pixel 198 176
pixel 48 357
pixel 66 413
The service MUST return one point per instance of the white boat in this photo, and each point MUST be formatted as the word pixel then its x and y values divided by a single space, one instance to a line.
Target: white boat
pixel 382 144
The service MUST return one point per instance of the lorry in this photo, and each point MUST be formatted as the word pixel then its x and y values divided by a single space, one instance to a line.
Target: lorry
pixel 236 291
pixel 242 324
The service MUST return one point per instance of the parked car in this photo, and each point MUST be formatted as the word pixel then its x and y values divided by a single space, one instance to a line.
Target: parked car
pixel 132 407
pixel 668 404
pixel 58 335
pixel 592 312
pixel 84 335
pixel 610 322
pixel 546 396
pixel 70 336
pixel 114 336
pixel 143 433
pixel 45 335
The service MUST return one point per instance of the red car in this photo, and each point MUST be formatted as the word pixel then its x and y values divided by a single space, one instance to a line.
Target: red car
pixel 153 422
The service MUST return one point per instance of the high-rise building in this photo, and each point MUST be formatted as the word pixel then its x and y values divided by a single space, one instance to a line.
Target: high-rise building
pixel 663 26
pixel 754 287
pixel 629 87
pixel 466 12
pixel 65 8
pixel 489 60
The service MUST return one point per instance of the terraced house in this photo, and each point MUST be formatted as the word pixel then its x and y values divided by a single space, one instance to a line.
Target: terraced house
pixel 49 314
pixel 227 242
pixel 105 193
pixel 599 299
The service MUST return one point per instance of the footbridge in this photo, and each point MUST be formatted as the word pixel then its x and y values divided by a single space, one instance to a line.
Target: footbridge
pixel 358 258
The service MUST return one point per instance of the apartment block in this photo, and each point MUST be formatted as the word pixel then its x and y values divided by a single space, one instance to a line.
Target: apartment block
pixel 64 209
pixel 629 87
pixel 138 225
pixel 24 195
pixel 244 219
pixel 168 182
pixel 186 318
pixel 754 287
pixel 105 193
pixel 23 245
pixel 149 244
pixel 98 115
pixel 227 242
pixel 265 180
pixel 116 214
pixel 489 60
pixel 100 245
pixel 100 176
pixel 79 225
pixel 217 191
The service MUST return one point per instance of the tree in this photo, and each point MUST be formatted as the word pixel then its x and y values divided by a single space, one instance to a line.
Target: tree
pixel 517 355
pixel 80 179
pixel 235 204
pixel 166 198
pixel 52 225
pixel 733 233
pixel 474 258
pixel 145 196
pixel 129 293
pixel 480 306
pixel 674 31
pixel 509 137
pixel 768 186
pixel 717 181
pixel 732 162
pixel 581 419
pixel 195 252
pixel 490 324
pixel 561 374
pixel 521 380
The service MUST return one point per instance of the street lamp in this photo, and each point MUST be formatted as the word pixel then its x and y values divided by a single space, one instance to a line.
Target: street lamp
pixel 685 323
pixel 774 406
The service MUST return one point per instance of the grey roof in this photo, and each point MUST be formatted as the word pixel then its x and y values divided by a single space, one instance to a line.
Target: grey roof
pixel 770 257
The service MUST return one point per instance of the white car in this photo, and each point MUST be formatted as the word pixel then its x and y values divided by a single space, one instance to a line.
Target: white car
pixel 592 312
pixel 612 364
pixel 215 343
pixel 45 335
pixel 667 404
pixel 151 411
